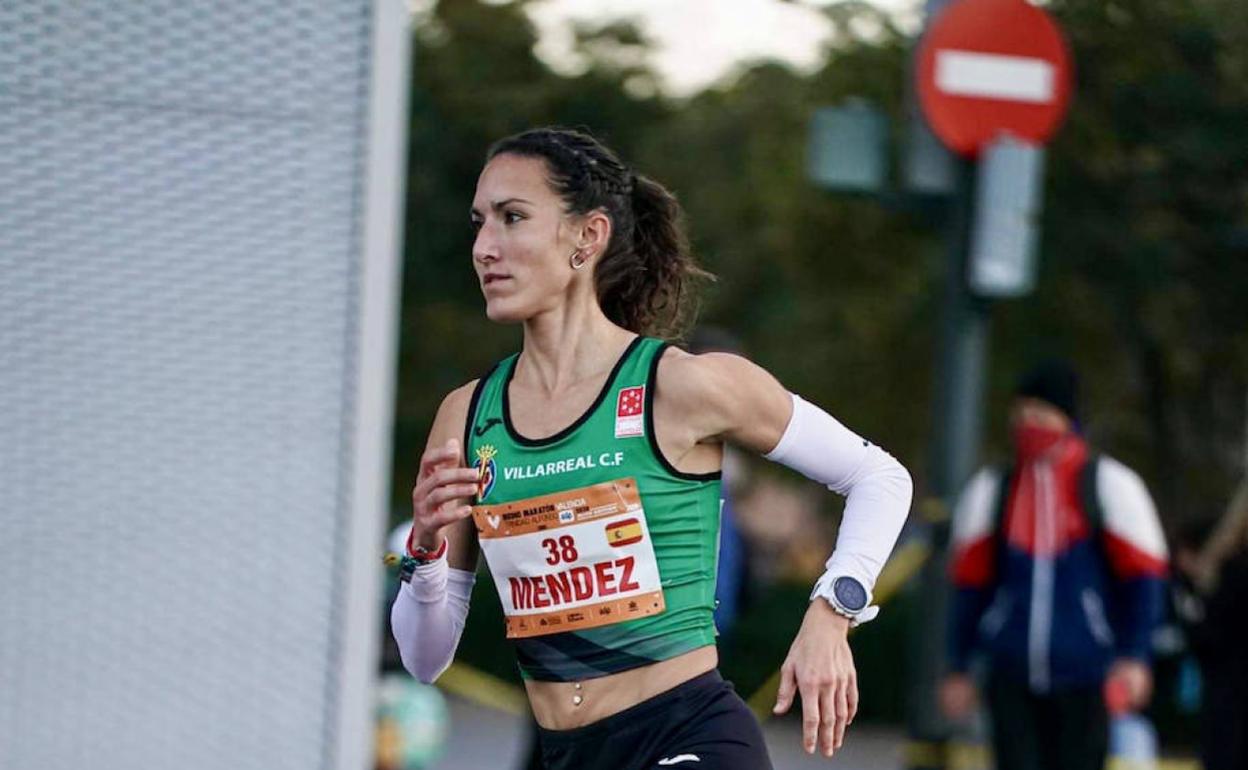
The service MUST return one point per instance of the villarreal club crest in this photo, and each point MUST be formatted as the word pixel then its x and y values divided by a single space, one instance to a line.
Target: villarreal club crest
pixel 487 470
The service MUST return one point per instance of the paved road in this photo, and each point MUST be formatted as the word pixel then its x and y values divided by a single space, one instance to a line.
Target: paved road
pixel 486 739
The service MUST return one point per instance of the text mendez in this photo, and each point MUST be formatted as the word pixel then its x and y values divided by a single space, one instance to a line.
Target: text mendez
pixel 604 578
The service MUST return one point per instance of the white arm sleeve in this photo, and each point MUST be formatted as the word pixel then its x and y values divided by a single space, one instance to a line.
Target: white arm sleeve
pixel 877 488
pixel 427 618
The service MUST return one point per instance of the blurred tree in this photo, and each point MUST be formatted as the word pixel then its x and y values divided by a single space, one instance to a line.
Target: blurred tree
pixel 1145 264
pixel 832 293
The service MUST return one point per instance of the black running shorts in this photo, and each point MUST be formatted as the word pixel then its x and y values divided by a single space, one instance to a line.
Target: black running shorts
pixel 699 725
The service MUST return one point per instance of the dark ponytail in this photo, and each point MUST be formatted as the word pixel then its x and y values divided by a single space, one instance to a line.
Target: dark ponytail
pixel 645 277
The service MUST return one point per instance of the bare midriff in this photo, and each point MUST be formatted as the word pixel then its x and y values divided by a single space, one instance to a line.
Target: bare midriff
pixel 565 705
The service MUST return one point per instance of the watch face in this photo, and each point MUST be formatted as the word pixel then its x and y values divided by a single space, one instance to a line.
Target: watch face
pixel 850 594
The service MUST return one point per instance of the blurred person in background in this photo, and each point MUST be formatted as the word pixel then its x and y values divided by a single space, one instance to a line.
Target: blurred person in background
pixel 1224 544
pixel 1058 564
pixel 592 416
pixel 1217 631
pixel 788 536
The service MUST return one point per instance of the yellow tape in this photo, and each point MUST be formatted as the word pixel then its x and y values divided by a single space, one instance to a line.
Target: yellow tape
pixel 933 510
pixel 904 565
pixel 924 754
pixel 951 755
pixel 966 755
pixel 484 689
pixel 764 697
pixel 1118 763
pixel 962 755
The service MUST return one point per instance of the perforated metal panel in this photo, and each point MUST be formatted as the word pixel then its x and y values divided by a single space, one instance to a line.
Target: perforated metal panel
pixel 182 191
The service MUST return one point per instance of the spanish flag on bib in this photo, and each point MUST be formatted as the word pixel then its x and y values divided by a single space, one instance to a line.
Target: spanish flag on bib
pixel 624 532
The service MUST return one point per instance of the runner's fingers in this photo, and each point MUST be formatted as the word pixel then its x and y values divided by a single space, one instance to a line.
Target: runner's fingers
pixel 448 492
pixel 788 686
pixel 455 476
pixel 851 697
pixel 829 718
pixel 810 717
pixel 430 484
pixel 437 456
pixel 842 712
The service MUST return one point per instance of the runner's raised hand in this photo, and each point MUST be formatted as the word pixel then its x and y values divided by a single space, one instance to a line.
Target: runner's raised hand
pixel 442 495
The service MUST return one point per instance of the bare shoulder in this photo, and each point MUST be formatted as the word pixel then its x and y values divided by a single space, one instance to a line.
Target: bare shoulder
pixel 693 378
pixel 459 399
pixel 724 396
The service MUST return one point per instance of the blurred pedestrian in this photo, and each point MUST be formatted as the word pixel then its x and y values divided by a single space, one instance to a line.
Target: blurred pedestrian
pixel 589 474
pixel 1058 563
pixel 1217 630
pixel 1228 540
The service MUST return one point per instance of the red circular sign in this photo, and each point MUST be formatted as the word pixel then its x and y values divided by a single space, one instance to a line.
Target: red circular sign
pixel 992 66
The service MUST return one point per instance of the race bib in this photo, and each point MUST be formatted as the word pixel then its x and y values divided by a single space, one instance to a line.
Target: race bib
pixel 572 560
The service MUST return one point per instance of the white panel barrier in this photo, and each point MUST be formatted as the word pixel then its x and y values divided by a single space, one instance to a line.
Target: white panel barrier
pixel 198 293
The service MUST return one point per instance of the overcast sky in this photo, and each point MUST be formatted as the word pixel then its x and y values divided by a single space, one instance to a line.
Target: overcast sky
pixel 699 41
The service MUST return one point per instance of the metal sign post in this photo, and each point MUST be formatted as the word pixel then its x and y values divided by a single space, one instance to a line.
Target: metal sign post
pixel 987 71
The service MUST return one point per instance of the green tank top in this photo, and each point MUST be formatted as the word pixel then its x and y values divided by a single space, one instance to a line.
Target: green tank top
pixel 536 485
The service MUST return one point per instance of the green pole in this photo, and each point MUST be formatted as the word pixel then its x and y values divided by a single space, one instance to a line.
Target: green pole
pixel 957 428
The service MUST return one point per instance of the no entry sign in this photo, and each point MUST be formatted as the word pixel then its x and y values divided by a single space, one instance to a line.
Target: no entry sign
pixel 992 66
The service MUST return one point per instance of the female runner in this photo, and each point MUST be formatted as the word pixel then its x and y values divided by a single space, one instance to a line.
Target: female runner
pixel 587 468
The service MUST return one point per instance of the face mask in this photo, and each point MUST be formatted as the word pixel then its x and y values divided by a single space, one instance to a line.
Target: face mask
pixel 1032 441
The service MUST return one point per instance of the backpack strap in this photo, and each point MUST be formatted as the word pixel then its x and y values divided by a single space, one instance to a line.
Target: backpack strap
pixel 1090 499
pixel 1088 496
pixel 1005 476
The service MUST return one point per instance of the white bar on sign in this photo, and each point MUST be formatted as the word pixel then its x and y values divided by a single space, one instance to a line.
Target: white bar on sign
pixel 994 76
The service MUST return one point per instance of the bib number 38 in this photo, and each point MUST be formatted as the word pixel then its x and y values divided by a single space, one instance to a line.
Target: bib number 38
pixel 561 550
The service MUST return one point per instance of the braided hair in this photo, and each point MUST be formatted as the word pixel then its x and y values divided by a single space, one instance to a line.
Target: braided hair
pixel 644 278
